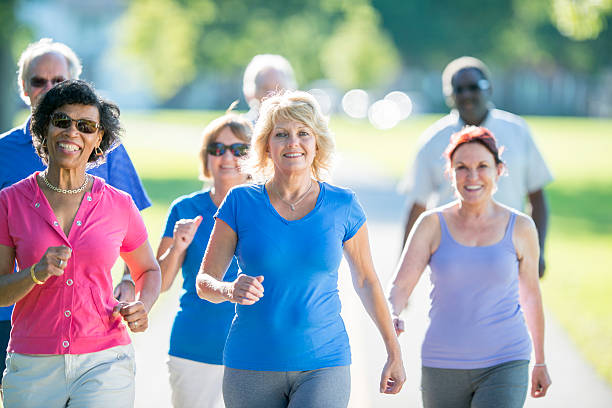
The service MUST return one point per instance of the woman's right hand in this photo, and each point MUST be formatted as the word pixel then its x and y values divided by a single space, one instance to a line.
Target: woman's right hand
pixel 398 325
pixel 52 263
pixel 184 231
pixel 246 290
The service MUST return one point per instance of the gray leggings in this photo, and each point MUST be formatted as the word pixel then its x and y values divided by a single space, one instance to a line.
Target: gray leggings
pixel 328 387
pixel 501 386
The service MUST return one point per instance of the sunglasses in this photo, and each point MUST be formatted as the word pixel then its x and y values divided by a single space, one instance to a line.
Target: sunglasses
pixel 481 85
pixel 63 121
pixel 38 82
pixel 218 149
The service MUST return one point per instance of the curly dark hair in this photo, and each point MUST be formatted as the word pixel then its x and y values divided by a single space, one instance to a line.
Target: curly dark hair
pixel 76 92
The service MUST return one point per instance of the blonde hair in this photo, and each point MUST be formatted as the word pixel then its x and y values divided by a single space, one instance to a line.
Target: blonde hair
pixel 240 127
pixel 290 106
pixel 42 47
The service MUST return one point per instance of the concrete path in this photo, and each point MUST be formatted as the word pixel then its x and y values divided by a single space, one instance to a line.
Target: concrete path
pixel 575 383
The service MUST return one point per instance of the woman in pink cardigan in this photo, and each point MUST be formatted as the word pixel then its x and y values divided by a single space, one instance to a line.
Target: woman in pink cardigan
pixel 65 229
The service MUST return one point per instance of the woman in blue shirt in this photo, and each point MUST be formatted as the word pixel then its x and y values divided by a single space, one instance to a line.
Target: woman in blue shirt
pixel 198 334
pixel 289 347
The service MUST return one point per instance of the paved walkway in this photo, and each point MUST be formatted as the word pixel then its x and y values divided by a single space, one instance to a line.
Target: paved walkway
pixel 575 383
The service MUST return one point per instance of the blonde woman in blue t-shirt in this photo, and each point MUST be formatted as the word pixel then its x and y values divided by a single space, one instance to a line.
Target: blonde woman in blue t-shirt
pixel 287 345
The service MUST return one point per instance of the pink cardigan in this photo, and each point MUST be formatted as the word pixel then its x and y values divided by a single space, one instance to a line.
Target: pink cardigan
pixel 72 313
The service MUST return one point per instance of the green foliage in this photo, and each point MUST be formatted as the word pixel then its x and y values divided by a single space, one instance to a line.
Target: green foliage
pixel 580 19
pixel 537 33
pixel 160 37
pixel 577 284
pixel 368 56
pixel 176 40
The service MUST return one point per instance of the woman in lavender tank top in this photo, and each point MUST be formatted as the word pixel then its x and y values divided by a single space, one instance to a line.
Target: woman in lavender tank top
pixel 485 294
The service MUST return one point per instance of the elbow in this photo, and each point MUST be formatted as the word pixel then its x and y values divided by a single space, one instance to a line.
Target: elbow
pixel 200 288
pixel 205 290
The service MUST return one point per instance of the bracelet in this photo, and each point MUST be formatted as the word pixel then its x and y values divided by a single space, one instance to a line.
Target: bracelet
pixel 540 365
pixel 127 278
pixel 34 278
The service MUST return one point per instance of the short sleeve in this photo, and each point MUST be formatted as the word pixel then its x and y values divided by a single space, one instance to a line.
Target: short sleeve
pixel 227 210
pixel 5 236
pixel 120 173
pixel 136 233
pixel 171 219
pixel 355 218
pixel 538 173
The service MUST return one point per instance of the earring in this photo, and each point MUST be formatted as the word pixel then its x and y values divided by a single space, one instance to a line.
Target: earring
pixel 99 151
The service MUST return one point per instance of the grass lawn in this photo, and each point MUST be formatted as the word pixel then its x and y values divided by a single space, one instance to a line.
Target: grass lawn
pixel 164 147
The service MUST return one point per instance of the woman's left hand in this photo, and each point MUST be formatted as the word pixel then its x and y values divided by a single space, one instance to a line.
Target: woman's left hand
pixel 393 376
pixel 540 381
pixel 134 314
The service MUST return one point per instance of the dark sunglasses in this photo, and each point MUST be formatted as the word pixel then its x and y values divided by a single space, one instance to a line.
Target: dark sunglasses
pixel 38 82
pixel 63 121
pixel 218 149
pixel 481 85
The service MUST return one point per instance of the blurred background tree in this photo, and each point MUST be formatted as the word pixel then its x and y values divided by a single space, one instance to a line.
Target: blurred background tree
pixel 175 37
pixel 570 33
pixel 547 56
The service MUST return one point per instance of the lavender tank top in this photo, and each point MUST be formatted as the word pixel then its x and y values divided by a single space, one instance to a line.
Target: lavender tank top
pixel 475 317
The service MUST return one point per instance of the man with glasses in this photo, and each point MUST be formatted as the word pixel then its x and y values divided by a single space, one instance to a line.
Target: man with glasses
pixel 467 87
pixel 42 65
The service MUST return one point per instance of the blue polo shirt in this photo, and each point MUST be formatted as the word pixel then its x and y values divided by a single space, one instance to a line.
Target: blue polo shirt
pixel 18 159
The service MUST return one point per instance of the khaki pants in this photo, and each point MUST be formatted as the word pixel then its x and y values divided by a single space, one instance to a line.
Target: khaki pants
pixel 102 379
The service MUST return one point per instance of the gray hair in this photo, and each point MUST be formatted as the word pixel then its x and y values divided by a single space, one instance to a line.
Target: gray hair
pixel 265 62
pixel 42 47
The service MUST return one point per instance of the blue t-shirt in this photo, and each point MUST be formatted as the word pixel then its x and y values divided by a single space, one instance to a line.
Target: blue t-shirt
pixel 296 325
pixel 18 160
pixel 200 327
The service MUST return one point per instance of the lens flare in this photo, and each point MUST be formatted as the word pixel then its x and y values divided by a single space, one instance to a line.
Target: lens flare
pixel 403 102
pixel 384 114
pixel 355 103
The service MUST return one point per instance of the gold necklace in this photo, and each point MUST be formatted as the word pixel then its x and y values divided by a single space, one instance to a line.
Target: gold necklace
pixel 61 190
pixel 292 206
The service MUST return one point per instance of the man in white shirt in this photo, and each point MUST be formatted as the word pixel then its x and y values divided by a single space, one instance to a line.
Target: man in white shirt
pixel 467 87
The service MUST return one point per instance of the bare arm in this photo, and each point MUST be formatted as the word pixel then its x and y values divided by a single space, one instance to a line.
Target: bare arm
pixel 415 211
pixel 14 286
pixel 245 290
pixel 171 251
pixel 170 261
pixel 422 242
pixel 539 213
pixel 367 286
pixel 147 276
pixel 526 243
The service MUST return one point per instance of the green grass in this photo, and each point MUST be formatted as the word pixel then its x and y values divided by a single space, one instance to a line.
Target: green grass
pixel 164 146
